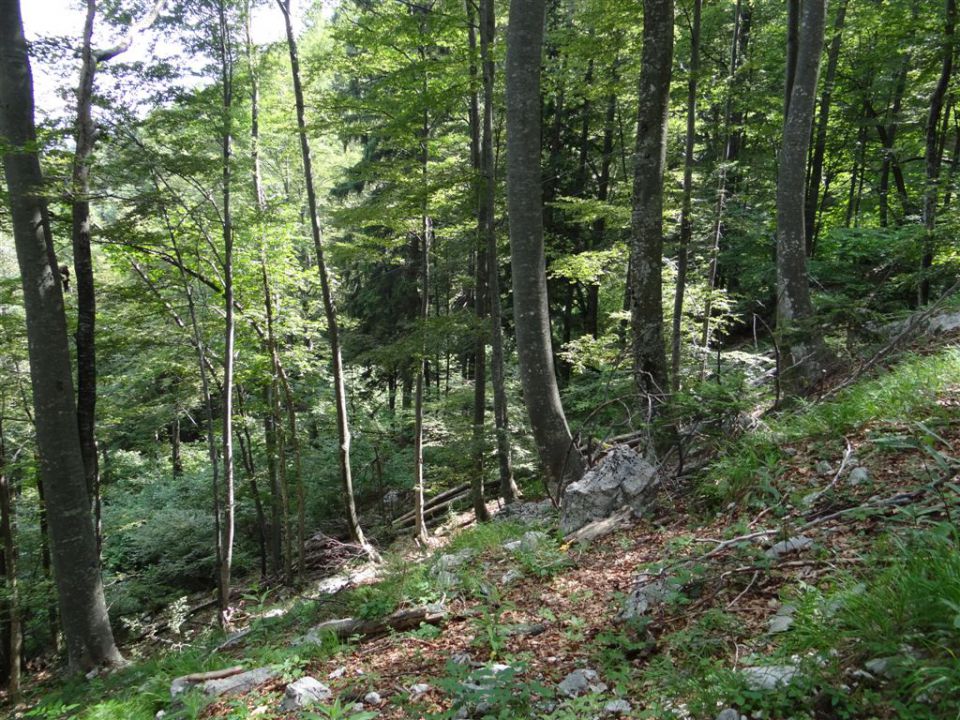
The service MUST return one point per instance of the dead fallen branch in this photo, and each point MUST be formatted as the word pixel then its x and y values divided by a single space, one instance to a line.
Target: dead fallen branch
pixel 599 528
pixel 399 621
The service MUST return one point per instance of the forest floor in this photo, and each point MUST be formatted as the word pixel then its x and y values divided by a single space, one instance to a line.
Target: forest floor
pixel 859 616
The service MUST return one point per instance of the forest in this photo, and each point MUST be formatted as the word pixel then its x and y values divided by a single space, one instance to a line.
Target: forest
pixel 479 359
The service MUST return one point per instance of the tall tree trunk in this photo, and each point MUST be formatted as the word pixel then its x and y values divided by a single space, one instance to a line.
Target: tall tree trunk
pixel 333 329
pixel 686 221
pixel 227 525
pixel 480 301
pixel 508 488
pixel 794 309
pixel 14 633
pixel 815 176
pixel 76 562
pixel 646 250
pixel 426 237
pixel 932 153
pixel 558 453
pixel 84 137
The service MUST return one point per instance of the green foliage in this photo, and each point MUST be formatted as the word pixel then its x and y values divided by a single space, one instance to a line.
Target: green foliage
pixel 749 467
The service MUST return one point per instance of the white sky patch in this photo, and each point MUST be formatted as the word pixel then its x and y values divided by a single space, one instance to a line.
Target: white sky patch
pixel 65 18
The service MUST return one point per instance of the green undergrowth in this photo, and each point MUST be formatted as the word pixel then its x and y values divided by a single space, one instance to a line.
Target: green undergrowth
pixel 880 643
pixel 749 468
pixel 139 690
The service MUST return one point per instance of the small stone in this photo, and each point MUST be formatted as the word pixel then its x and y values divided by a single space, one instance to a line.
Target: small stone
pixel 532 540
pixel 858 476
pixel 581 681
pixel 338 673
pixel 769 677
pixel 782 621
pixel 511 576
pixel 372 698
pixel 792 545
pixel 779 623
pixel 823 467
pixel 358 707
pixel 446 579
pixel 452 561
pixel 419 689
pixel 304 692
pixel 461 658
pixel 880 666
pixel 728 714
pixel 617 707
pixel 512 546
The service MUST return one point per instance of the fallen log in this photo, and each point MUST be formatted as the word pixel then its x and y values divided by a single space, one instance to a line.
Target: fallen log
pixel 399 621
pixel 599 528
pixel 433 508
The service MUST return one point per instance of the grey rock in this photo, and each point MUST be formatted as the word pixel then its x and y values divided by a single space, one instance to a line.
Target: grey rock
pixel 233 685
pixel 304 692
pixel 446 579
pixel 791 545
pixel 358 707
pixel 452 561
pixel 858 476
pixel 648 593
pixel 528 512
pixel 617 707
pixel 622 478
pixel 512 546
pixel 729 714
pixel 882 666
pixel 783 620
pixel 769 677
pixel 418 689
pixel 530 629
pixel 580 682
pixel 372 698
pixel 511 576
pixel 461 658
pixel 945 323
pixel 338 673
pixel 823 467
pixel 532 540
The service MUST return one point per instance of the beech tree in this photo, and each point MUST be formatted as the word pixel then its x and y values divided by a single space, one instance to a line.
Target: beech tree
pixel 83 610
pixel 800 351
pixel 559 454
pixel 646 248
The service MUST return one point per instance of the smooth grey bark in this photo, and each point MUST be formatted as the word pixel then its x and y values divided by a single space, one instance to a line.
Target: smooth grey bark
pixel 508 487
pixel 815 176
pixel 686 207
pixel 333 327
pixel 799 349
pixel 646 226
pixel 932 157
pixel 227 525
pixel 425 245
pixel 557 450
pixel 480 278
pixel 83 610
